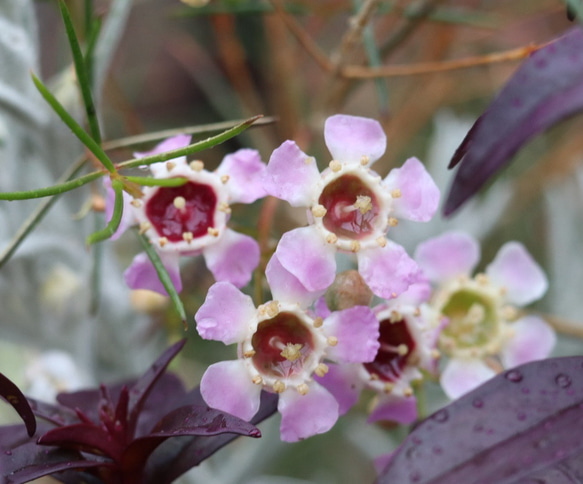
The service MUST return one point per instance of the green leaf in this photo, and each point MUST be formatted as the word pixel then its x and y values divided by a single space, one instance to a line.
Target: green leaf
pixel 109 230
pixel 54 190
pixel 157 182
pixel 164 276
pixel 82 73
pixel 78 131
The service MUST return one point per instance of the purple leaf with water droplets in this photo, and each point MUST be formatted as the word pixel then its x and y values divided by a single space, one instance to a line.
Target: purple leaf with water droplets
pixel 12 394
pixel 522 424
pixel 547 88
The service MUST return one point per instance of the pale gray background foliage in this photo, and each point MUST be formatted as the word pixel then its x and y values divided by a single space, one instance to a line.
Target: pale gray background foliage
pixel 45 289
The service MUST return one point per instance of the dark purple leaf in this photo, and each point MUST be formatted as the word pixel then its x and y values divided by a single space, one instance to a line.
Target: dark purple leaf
pixel 83 437
pixel 12 394
pixel 142 387
pixel 176 456
pixel 32 472
pixel 192 420
pixel 55 414
pixel 523 423
pixel 547 88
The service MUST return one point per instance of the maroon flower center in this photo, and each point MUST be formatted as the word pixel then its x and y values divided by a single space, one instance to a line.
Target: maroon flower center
pixel 173 211
pixel 395 352
pixel 281 345
pixel 351 207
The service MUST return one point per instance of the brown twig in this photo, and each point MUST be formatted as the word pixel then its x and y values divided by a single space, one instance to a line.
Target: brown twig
pixel 564 326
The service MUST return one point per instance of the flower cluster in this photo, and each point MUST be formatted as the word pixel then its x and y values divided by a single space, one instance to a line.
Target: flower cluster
pixel 318 343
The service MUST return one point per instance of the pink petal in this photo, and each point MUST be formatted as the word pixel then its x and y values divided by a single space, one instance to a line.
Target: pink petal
pixel 462 376
pixel 305 415
pixel 419 194
pixel 417 293
pixel 349 138
pixel 246 172
pixel 388 271
pixel 291 175
pixel 286 287
pixel 227 386
pixel 141 273
pixel 225 314
pixel 344 383
pixel 450 255
pixel 515 269
pixel 395 409
pixel 159 170
pixel 533 339
pixel 321 307
pixel 127 217
pixel 233 257
pixel 357 330
pixel 308 257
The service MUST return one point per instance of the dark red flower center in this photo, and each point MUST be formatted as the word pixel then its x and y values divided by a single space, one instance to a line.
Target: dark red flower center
pixel 396 351
pixel 281 345
pixel 351 207
pixel 173 211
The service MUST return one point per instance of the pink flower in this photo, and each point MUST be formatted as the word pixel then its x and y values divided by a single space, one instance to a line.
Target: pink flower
pixel 350 208
pixel 281 346
pixel 407 339
pixel 192 219
pixel 480 311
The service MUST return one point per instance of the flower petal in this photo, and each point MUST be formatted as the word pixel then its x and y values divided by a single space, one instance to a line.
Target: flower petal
pixel 419 194
pixel 461 376
pixel 246 171
pixel 388 271
pixel 344 383
pixel 349 138
pixel 141 273
pixel 227 386
pixel 395 409
pixel 305 415
pixel 533 339
pixel 450 255
pixel 225 314
pixel 308 257
pixel 286 287
pixel 515 269
pixel 291 175
pixel 357 331
pixel 160 170
pixel 232 258
pixel 127 217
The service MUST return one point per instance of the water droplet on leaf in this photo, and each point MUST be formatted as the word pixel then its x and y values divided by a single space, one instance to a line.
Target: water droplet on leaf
pixel 563 380
pixel 514 376
pixel 440 416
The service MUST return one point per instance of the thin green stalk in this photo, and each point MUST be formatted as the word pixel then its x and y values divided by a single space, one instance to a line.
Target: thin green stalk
pixel 54 190
pixel 193 148
pixel 82 74
pixel 164 276
pixel 113 224
pixel 157 182
pixel 78 131
pixel 35 217
pixel 95 281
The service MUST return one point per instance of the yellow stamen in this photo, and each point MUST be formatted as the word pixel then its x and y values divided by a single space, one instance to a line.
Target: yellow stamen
pixel 292 352
pixel 212 231
pixel 170 165
pixel 303 389
pixel 335 166
pixel 354 245
pixel 225 178
pixel 321 369
pixel 136 203
pixel 144 227
pixel 249 354
pixel 393 222
pixel 332 340
pixel 257 380
pixel 196 165
pixel 179 203
pixel 331 238
pixel 396 193
pixel 318 322
pixel 363 203
pixel 162 241
pixel 187 236
pixel 364 159
pixel 318 211
pixel 382 241
pixel 279 386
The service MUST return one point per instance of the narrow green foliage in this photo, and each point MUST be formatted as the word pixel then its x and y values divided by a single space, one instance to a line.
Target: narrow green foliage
pixel 157 182
pixel 576 9
pixel 82 73
pixel 78 131
pixel 164 276
pixel 193 148
pixel 113 224
pixel 54 190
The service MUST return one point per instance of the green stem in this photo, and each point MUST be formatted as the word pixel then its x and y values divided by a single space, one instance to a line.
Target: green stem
pixel 163 275
pixel 78 131
pixel 576 7
pixel 193 148
pixel 54 190
pixel 157 182
pixel 82 74
pixel 113 224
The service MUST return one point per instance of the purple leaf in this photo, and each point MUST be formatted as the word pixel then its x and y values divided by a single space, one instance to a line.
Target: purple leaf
pixel 524 423
pixel 12 394
pixel 52 413
pixel 547 88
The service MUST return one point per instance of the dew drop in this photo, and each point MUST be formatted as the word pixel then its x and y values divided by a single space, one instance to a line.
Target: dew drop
pixel 478 403
pixel 514 376
pixel 8 452
pixel 440 416
pixel 563 380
